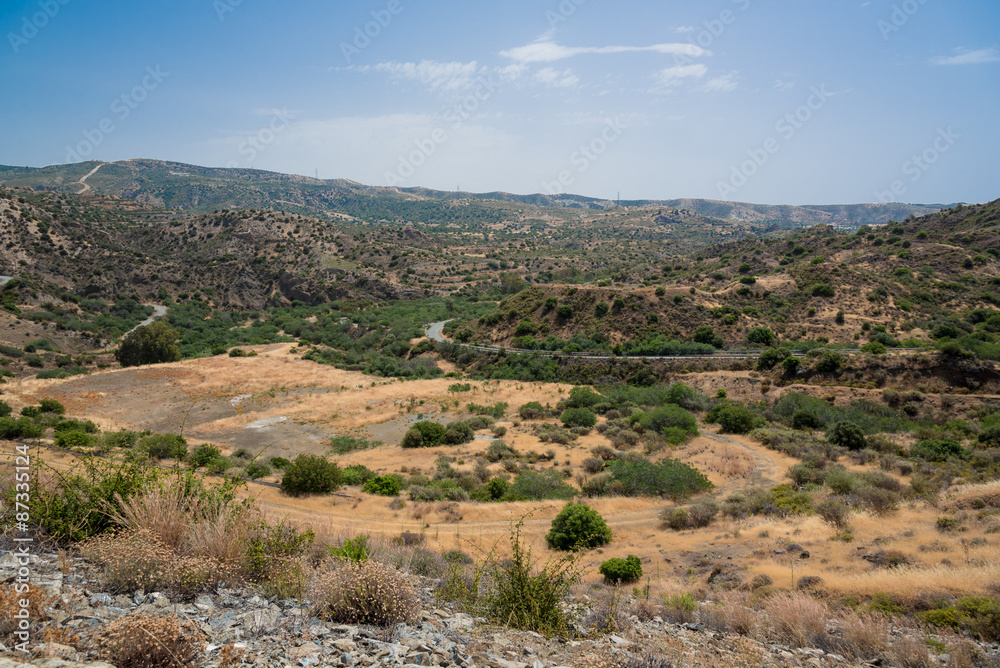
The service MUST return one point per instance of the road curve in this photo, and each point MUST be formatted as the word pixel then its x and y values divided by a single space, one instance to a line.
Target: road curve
pixel 435 331
pixel 82 181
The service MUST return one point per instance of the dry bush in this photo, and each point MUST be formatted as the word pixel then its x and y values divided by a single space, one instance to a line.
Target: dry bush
pixel 165 511
pixel 796 619
pixel 733 613
pixel 141 640
pixel 10 605
pixel 139 560
pixel 367 592
pixel 609 613
pixel 644 609
pixel 863 635
pixel 221 534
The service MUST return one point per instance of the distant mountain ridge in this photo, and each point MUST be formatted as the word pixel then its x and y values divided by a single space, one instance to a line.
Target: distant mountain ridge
pixel 190 187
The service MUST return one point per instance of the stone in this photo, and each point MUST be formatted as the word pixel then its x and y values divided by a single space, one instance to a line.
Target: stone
pixel 204 602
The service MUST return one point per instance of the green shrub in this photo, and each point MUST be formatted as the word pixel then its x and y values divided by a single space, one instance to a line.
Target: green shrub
pixel 830 362
pixel 823 290
pixel 676 518
pixel 762 336
pixel 424 434
pixel 73 439
pixel 20 428
pixel 621 571
pixel 280 463
pixel 734 418
pixel 497 488
pixel 874 348
pixel 847 435
pixel 152 344
pixel 535 485
pixel 5 409
pixel 771 358
pixel 788 501
pixel 980 615
pixel 86 426
pixel 577 526
pixel 170 446
pixel 341 445
pixel 578 417
pixel 51 406
pixel 384 485
pixel 939 450
pixel 203 454
pixel 356 475
pixel 659 420
pixel 458 433
pixel 256 470
pixel 668 478
pixel 532 411
pixel 354 550
pixel 310 474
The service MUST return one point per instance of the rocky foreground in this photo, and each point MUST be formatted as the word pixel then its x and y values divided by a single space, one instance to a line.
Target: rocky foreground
pixel 242 628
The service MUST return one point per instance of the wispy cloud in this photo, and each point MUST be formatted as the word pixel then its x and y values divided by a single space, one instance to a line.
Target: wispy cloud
pixel 556 79
pixel 969 58
pixel 547 51
pixel 674 75
pixel 781 84
pixel 684 29
pixel 443 76
pixel 721 84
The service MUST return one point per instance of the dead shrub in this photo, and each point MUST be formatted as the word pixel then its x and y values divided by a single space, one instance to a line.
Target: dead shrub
pixel 608 613
pixel 139 560
pixel 644 609
pixel 366 592
pixel 796 619
pixel 165 511
pixel 141 640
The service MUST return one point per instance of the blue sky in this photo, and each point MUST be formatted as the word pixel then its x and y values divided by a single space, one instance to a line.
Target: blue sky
pixel 783 101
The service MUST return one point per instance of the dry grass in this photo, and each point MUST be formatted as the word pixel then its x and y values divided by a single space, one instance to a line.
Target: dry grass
pixel 863 635
pixel 166 511
pixel 911 583
pixel 964 496
pixel 796 619
pixel 10 605
pixel 140 640
pixel 733 612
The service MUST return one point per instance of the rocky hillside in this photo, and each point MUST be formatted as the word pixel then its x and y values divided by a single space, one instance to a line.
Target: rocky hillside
pixel 233 627
pixel 107 247
pixel 816 283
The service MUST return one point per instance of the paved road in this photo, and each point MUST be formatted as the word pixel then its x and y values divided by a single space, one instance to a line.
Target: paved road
pixel 435 331
pixel 5 279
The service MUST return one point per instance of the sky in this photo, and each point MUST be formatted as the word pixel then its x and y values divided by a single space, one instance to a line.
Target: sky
pixel 776 101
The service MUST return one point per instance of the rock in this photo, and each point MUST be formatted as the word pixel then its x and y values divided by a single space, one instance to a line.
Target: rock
pixel 204 602
pixel 618 640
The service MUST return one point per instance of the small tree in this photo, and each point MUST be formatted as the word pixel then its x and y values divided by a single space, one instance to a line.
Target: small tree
pixel 847 435
pixel 153 344
pixel 310 474
pixel 578 526
pixel 762 336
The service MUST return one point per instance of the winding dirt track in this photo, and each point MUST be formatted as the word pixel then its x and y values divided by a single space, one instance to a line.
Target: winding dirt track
pixel 83 180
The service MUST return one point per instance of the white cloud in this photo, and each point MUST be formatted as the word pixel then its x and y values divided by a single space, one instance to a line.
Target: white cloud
pixel 444 76
pixel 547 51
pixel 969 58
pixel 781 84
pixel 684 29
pixel 725 83
pixel 673 75
pixel 556 79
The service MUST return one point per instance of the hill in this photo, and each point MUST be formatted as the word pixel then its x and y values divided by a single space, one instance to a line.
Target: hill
pixel 817 284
